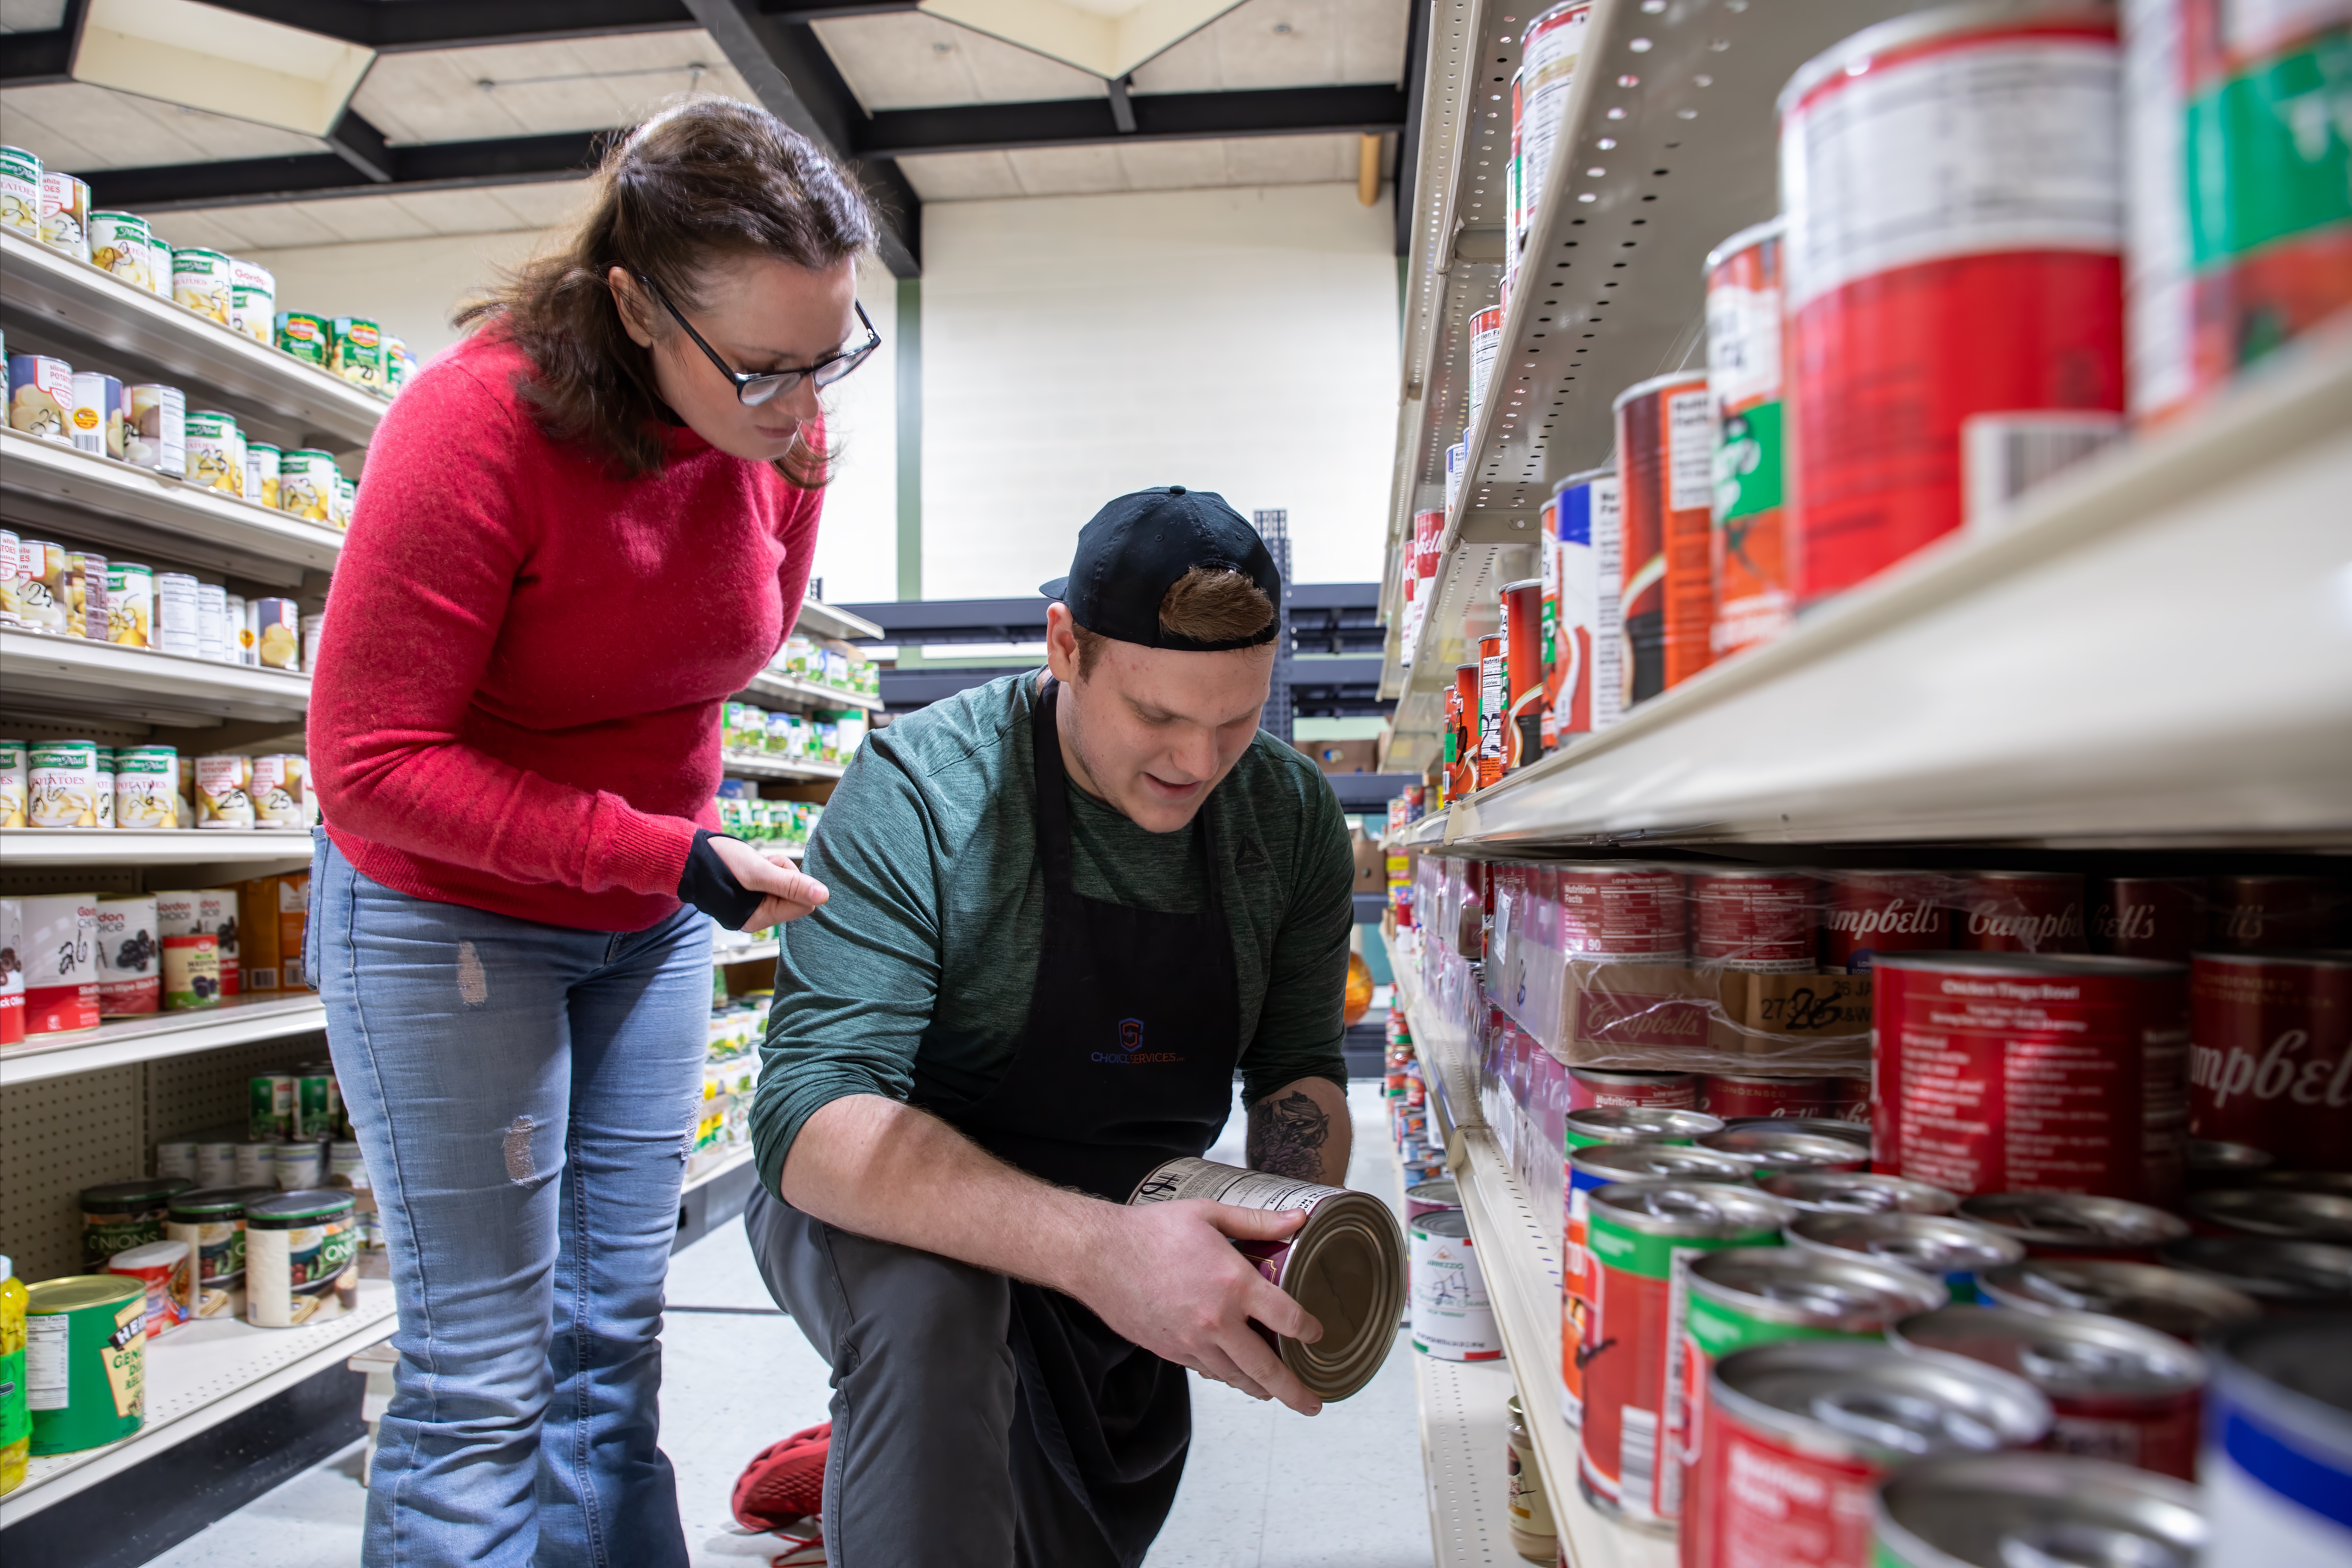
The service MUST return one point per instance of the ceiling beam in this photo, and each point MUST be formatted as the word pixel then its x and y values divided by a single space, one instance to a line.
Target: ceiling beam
pixel 311 177
pixel 1158 117
pixel 363 146
pixel 788 72
pixel 803 12
pixel 410 25
pixel 38 60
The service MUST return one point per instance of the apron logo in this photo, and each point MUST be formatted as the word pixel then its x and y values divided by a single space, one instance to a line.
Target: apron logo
pixel 1130 1051
pixel 1130 1034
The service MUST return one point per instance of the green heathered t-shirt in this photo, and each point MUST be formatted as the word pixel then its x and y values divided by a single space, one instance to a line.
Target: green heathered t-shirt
pixel 917 972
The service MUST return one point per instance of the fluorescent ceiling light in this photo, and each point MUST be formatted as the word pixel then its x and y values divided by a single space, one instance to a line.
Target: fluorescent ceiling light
pixel 1108 37
pixel 227 63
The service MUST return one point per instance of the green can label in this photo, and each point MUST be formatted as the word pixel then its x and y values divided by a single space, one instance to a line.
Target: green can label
pixel 1652 1257
pixel 303 336
pixel 1719 1329
pixel 2270 151
pixel 16 1415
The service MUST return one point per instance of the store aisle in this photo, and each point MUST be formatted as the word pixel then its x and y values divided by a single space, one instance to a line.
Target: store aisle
pixel 1263 1489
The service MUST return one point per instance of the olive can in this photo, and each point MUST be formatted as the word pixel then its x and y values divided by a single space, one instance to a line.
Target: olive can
pixel 201 279
pixel 304 336
pixel 130 959
pixel 2185 1306
pixel 65 214
pixel 211 1220
pixel 122 243
pixel 215 451
pixel 157 434
pixel 119 1216
pixel 355 351
pixel 85 1360
pixel 1959 1511
pixel 301 1258
pixel 252 299
pixel 20 192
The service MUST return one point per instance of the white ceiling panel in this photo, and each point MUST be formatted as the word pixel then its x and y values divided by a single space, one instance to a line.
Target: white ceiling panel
pixel 1134 166
pixel 1173 165
pixel 547 205
pixel 1067 171
pixel 412 214
pixel 1291 160
pixel 906 59
pixel 539 89
pixel 32 15
pixel 961 177
pixel 73 125
pixel 1287 43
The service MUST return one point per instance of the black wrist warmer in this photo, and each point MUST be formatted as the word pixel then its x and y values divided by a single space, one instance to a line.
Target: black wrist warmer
pixel 712 888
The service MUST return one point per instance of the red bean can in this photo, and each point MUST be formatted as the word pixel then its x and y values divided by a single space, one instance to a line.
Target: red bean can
pixel 2117 1390
pixel 1665 457
pixel 1523 672
pixel 1589 1088
pixel 1758 921
pixel 2019 911
pixel 2264 914
pixel 2145 917
pixel 2007 1072
pixel 1953 185
pixel 1494 705
pixel 2272 1059
pixel 1870 913
pixel 1625 913
pixel 1730 1095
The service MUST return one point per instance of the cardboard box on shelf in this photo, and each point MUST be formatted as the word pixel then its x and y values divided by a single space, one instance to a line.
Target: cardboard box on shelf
pixel 1640 1016
pixel 273 917
pixel 1346 756
pixel 1371 863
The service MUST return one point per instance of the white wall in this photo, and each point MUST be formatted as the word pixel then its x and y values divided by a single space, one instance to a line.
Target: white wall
pixel 1241 341
pixel 858 542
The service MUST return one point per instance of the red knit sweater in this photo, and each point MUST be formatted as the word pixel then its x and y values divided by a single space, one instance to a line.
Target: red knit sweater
pixel 517 704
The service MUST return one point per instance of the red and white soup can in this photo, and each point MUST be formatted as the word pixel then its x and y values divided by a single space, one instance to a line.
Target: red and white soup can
pixel 1758 922
pixel 1870 913
pixel 2271 1063
pixel 1592 1088
pixel 1631 913
pixel 1734 1095
pixel 2019 911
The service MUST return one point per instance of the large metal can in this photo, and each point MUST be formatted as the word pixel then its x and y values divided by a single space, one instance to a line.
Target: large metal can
pixel 1747 554
pixel 1665 457
pixel 2271 1063
pixel 2005 1510
pixel 2277 1465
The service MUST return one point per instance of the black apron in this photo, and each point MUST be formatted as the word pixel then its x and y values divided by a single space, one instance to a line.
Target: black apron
pixel 1126 1060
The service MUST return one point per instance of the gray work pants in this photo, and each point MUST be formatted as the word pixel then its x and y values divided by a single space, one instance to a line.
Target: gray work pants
pixel 934 1463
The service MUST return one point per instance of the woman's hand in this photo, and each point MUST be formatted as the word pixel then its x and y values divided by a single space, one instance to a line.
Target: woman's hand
pixel 790 891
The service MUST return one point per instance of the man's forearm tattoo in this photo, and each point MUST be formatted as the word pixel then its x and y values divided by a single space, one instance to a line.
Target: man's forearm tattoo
pixel 1287 1136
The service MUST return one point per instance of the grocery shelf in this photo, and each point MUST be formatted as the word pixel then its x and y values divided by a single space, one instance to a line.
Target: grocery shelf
pixel 49 292
pixel 199 1375
pixel 81 495
pixel 824 620
pixel 768 765
pixel 2150 650
pixel 78 675
pixel 1463 1438
pixel 236 1021
pixel 97 847
pixel 746 953
pixel 733 1159
pixel 776 686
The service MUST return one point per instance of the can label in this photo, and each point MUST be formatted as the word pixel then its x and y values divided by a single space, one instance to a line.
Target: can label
pixel 270 1109
pixel 1730 1095
pixel 217 1244
pixel 41 397
pixel 222 800
pixel 2020 914
pixel 1760 925
pixel 1635 914
pixel 192 972
pixel 1612 653
pixel 1743 362
pixel 2271 1063
pixel 98 410
pixel 303 336
pixel 1494 704
pixel 120 243
pixel 277 792
pixel 157 434
pixel 216 452
pixel 200 280
pixel 1588 1090
pixel 130 958
pixel 1873 912
pixel 20 192
pixel 1453 1318
pixel 1666 444
pixel 63 786
pixel 315 1113
pixel 65 212
pixel 1772 1502
pixel 147 787
pixel 2145 917
pixel 2158 1435
pixel 355 350
pixel 252 300
pixel 303 1275
pixel 1568 612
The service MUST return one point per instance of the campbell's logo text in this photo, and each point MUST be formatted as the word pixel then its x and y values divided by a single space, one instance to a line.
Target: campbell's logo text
pixel 1907 917
pixel 2031 929
pixel 2279 1073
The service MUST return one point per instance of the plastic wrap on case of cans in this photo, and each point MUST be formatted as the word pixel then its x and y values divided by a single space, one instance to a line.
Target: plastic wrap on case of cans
pixel 65 214
pixel 202 281
pixel 2185 1306
pixel 252 300
pixel 98 410
pixel 2118 1390
pixel 1345 1265
pixel 85 1360
pixel 1940 172
pixel 1756 921
pixel 1572 605
pixel 1743 364
pixel 64 783
pixel 60 962
pixel 1997 1072
pixel 2261 913
pixel 1453 1318
pixel 1802 1432
pixel 223 787
pixel 2144 917
pixel 1625 913
pixel 1954 1253
pixel 355 350
pixel 1642 1237
pixel 20 192
pixel 215 451
pixel 157 434
pixel 2272 1059
pixel 122 243
pixel 1751 1296
pixel 276 627
pixel 2241 237
pixel 129 956
pixel 304 336
pixel 1665 455
pixel 2277 1464
pixel 161 1268
pixel 301 1258
pixel 2071 1225
pixel 1871 912
pixel 86 596
pixel 1548 56
pixel 41 397
pixel 15 784
pixel 2019 911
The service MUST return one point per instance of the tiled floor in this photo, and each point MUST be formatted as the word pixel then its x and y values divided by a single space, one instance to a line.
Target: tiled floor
pixel 1264 1487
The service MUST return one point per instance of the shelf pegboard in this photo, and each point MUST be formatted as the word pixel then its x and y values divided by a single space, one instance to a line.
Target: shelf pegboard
pixel 57 1137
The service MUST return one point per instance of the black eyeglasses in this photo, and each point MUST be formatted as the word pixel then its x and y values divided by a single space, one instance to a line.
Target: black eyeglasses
pixel 758 389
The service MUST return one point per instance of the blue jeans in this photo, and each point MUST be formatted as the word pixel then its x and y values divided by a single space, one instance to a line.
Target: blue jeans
pixel 525 1096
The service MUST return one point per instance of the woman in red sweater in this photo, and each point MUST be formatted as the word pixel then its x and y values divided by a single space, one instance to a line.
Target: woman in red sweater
pixel 581 531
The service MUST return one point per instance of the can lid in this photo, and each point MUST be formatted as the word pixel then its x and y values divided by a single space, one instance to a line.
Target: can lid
pixel 2185 1306
pixel 1641 1161
pixel 1442 1221
pixel 1856 1191
pixel 154 1255
pixel 72 1293
pixel 2059 1353
pixel 145 1193
pixel 2037 1507
pixel 2073 1219
pixel 2289 1273
pixel 1794 1287
pixel 1863 1397
pixel 288 1210
pixel 216 1201
pixel 1935 1244
pixel 1715 1210
pixel 1522 583
pixel 1747 238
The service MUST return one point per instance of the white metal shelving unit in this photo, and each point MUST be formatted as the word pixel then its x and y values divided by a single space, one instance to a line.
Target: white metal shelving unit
pixel 832 621
pixel 775 686
pixel 199 1375
pixel 766 765
pixel 78 675
pixel 236 1021
pixel 746 953
pixel 101 846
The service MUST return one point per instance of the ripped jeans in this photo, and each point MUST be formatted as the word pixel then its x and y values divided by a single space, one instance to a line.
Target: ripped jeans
pixel 524 1096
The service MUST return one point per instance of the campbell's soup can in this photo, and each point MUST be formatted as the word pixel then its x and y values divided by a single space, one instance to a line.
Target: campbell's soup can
pixel 2009 1072
pixel 1802 1432
pixel 1953 185
pixel 1751 1296
pixel 2271 1063
pixel 130 604
pixel 2073 1225
pixel 215 451
pixel 41 397
pixel 2118 1390
pixel 202 281
pixel 1643 1237
pixel 20 192
pixel 252 299
pixel 2145 917
pixel 1870 913
pixel 1627 913
pixel 122 243
pixel 2265 913
pixel 129 956
pixel 1665 466
pixel 1758 921
pixel 59 953
pixel 156 436
pixel 1590 1086
pixel 65 214
pixel 99 410
pixel 1743 371
pixel 2188 1307
pixel 1730 1095
pixel 2019 911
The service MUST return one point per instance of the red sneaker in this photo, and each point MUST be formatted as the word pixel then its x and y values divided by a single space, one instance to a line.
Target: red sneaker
pixel 784 1482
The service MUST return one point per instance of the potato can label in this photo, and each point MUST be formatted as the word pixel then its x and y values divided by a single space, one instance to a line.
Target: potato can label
pixel 64 786
pixel 216 452
pixel 156 436
pixel 65 214
pixel 200 280
pixel 120 243
pixel 306 484
pixel 20 192
pixel 252 300
pixel 99 407
pixel 277 792
pixel 41 397
pixel 129 604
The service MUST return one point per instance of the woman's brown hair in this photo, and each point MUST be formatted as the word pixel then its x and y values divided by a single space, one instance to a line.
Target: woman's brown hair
pixel 707 181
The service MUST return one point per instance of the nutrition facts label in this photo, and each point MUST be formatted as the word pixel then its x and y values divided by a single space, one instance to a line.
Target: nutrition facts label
pixel 47 1366
pixel 1181 1179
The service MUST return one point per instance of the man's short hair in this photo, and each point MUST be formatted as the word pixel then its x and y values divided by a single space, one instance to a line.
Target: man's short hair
pixel 1209 603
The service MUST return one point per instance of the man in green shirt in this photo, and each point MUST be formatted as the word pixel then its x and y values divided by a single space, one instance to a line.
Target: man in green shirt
pixel 1066 908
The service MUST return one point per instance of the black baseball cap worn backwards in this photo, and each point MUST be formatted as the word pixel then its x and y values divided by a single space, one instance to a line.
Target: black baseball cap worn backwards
pixel 1138 547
